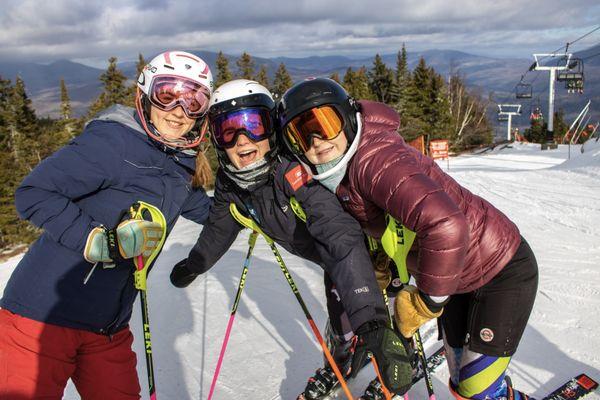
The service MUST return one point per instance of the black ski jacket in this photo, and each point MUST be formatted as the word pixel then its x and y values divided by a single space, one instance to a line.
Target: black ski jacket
pixel 330 238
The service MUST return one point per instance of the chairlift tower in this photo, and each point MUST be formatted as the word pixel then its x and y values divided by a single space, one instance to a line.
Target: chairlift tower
pixel 505 113
pixel 552 69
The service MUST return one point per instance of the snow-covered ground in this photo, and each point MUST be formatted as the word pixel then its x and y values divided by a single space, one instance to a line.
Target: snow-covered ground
pixel 556 204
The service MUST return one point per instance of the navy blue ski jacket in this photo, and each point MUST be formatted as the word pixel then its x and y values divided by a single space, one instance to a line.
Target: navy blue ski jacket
pixel 88 183
pixel 330 237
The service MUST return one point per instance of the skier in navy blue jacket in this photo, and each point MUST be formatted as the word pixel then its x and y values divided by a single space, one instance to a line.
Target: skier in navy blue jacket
pixel 58 320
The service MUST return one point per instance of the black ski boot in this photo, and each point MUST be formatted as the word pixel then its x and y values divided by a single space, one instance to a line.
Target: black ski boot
pixel 321 384
pixel 375 392
pixel 324 382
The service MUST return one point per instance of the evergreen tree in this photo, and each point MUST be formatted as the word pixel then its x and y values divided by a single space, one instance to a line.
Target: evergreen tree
pixel 22 124
pixel 282 81
pixel 357 84
pixel 223 72
pixel 5 96
pixel 560 126
pixel 336 77
pixel 65 103
pixel 245 66
pixel 536 133
pixel 348 81
pixel 262 76
pixel 139 67
pixel 20 153
pixel 439 110
pixel 402 81
pixel 114 91
pixel 381 81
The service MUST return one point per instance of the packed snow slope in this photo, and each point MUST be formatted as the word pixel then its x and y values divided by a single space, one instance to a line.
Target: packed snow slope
pixel 555 203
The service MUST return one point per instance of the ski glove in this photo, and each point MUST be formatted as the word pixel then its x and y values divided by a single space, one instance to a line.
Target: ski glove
pixel 129 239
pixel 413 309
pixel 376 338
pixel 181 276
pixel 381 265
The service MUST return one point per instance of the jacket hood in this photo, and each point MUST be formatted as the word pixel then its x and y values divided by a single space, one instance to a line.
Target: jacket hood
pixel 121 114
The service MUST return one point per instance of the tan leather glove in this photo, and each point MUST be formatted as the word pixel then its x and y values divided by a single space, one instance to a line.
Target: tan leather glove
pixel 381 265
pixel 411 311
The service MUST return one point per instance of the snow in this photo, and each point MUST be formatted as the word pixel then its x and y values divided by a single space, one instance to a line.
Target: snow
pixel 554 201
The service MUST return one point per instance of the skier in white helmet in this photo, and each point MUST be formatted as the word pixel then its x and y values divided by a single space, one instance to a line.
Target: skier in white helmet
pixel 261 184
pixel 66 308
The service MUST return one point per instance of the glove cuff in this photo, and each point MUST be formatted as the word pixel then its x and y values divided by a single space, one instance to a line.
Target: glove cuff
pixel 424 309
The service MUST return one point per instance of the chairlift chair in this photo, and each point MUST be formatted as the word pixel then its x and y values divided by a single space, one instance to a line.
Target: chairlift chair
pixel 523 90
pixel 572 76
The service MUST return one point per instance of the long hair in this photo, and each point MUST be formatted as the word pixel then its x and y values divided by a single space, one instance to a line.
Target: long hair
pixel 204 174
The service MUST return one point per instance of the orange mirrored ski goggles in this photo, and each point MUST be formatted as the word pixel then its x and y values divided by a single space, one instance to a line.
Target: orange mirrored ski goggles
pixel 324 122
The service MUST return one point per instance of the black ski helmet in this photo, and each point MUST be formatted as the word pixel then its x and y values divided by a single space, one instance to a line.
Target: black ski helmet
pixel 316 92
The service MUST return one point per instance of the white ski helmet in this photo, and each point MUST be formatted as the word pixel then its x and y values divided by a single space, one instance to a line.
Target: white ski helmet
pixel 242 96
pixel 190 82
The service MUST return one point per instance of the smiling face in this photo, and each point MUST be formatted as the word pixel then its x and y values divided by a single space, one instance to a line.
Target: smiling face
pixel 323 151
pixel 246 151
pixel 171 124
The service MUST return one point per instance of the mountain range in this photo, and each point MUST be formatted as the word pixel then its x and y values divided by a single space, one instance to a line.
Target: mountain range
pixel 486 75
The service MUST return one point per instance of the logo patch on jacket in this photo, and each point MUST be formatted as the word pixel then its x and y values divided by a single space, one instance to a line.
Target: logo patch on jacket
pixel 298 177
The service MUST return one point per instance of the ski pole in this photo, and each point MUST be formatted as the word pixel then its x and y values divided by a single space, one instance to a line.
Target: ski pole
pixel 423 359
pixel 141 210
pixel 251 224
pixel 311 322
pixel 251 242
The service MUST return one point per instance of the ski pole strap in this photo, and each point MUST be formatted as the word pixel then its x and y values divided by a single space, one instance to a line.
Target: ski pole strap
pixel 146 211
pixel 247 222
pixel 396 242
pixel 386 392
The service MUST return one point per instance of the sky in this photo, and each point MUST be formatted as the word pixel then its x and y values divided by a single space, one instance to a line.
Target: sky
pixel 92 31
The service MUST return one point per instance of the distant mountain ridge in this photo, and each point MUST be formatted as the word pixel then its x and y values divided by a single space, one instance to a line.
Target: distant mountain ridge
pixel 485 74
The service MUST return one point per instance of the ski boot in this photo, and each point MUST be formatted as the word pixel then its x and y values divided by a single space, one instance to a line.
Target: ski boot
pixel 324 382
pixel 320 385
pixel 375 392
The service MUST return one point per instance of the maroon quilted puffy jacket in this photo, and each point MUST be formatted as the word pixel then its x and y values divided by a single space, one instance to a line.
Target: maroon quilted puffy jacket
pixel 462 240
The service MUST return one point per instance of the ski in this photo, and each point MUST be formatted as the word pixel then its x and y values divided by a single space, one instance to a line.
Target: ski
pixel 433 362
pixel 575 388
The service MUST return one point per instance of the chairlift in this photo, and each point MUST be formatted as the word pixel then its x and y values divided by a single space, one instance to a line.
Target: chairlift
pixel 572 76
pixel 523 90
pixel 502 117
pixel 536 114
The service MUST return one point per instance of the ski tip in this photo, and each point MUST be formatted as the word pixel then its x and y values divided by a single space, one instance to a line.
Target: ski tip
pixel 586 382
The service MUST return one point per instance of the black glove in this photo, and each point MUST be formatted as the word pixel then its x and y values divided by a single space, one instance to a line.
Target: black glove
pixel 383 343
pixel 181 276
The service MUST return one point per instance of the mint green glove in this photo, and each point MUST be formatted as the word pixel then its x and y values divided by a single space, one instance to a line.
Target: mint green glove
pixel 130 239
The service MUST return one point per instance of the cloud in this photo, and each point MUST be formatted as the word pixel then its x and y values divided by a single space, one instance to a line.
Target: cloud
pixel 44 30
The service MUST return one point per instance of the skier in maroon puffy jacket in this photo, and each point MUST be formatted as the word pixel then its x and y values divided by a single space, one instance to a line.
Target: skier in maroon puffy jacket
pixel 470 265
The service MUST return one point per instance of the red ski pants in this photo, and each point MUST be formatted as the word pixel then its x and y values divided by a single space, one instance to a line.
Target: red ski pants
pixel 37 360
